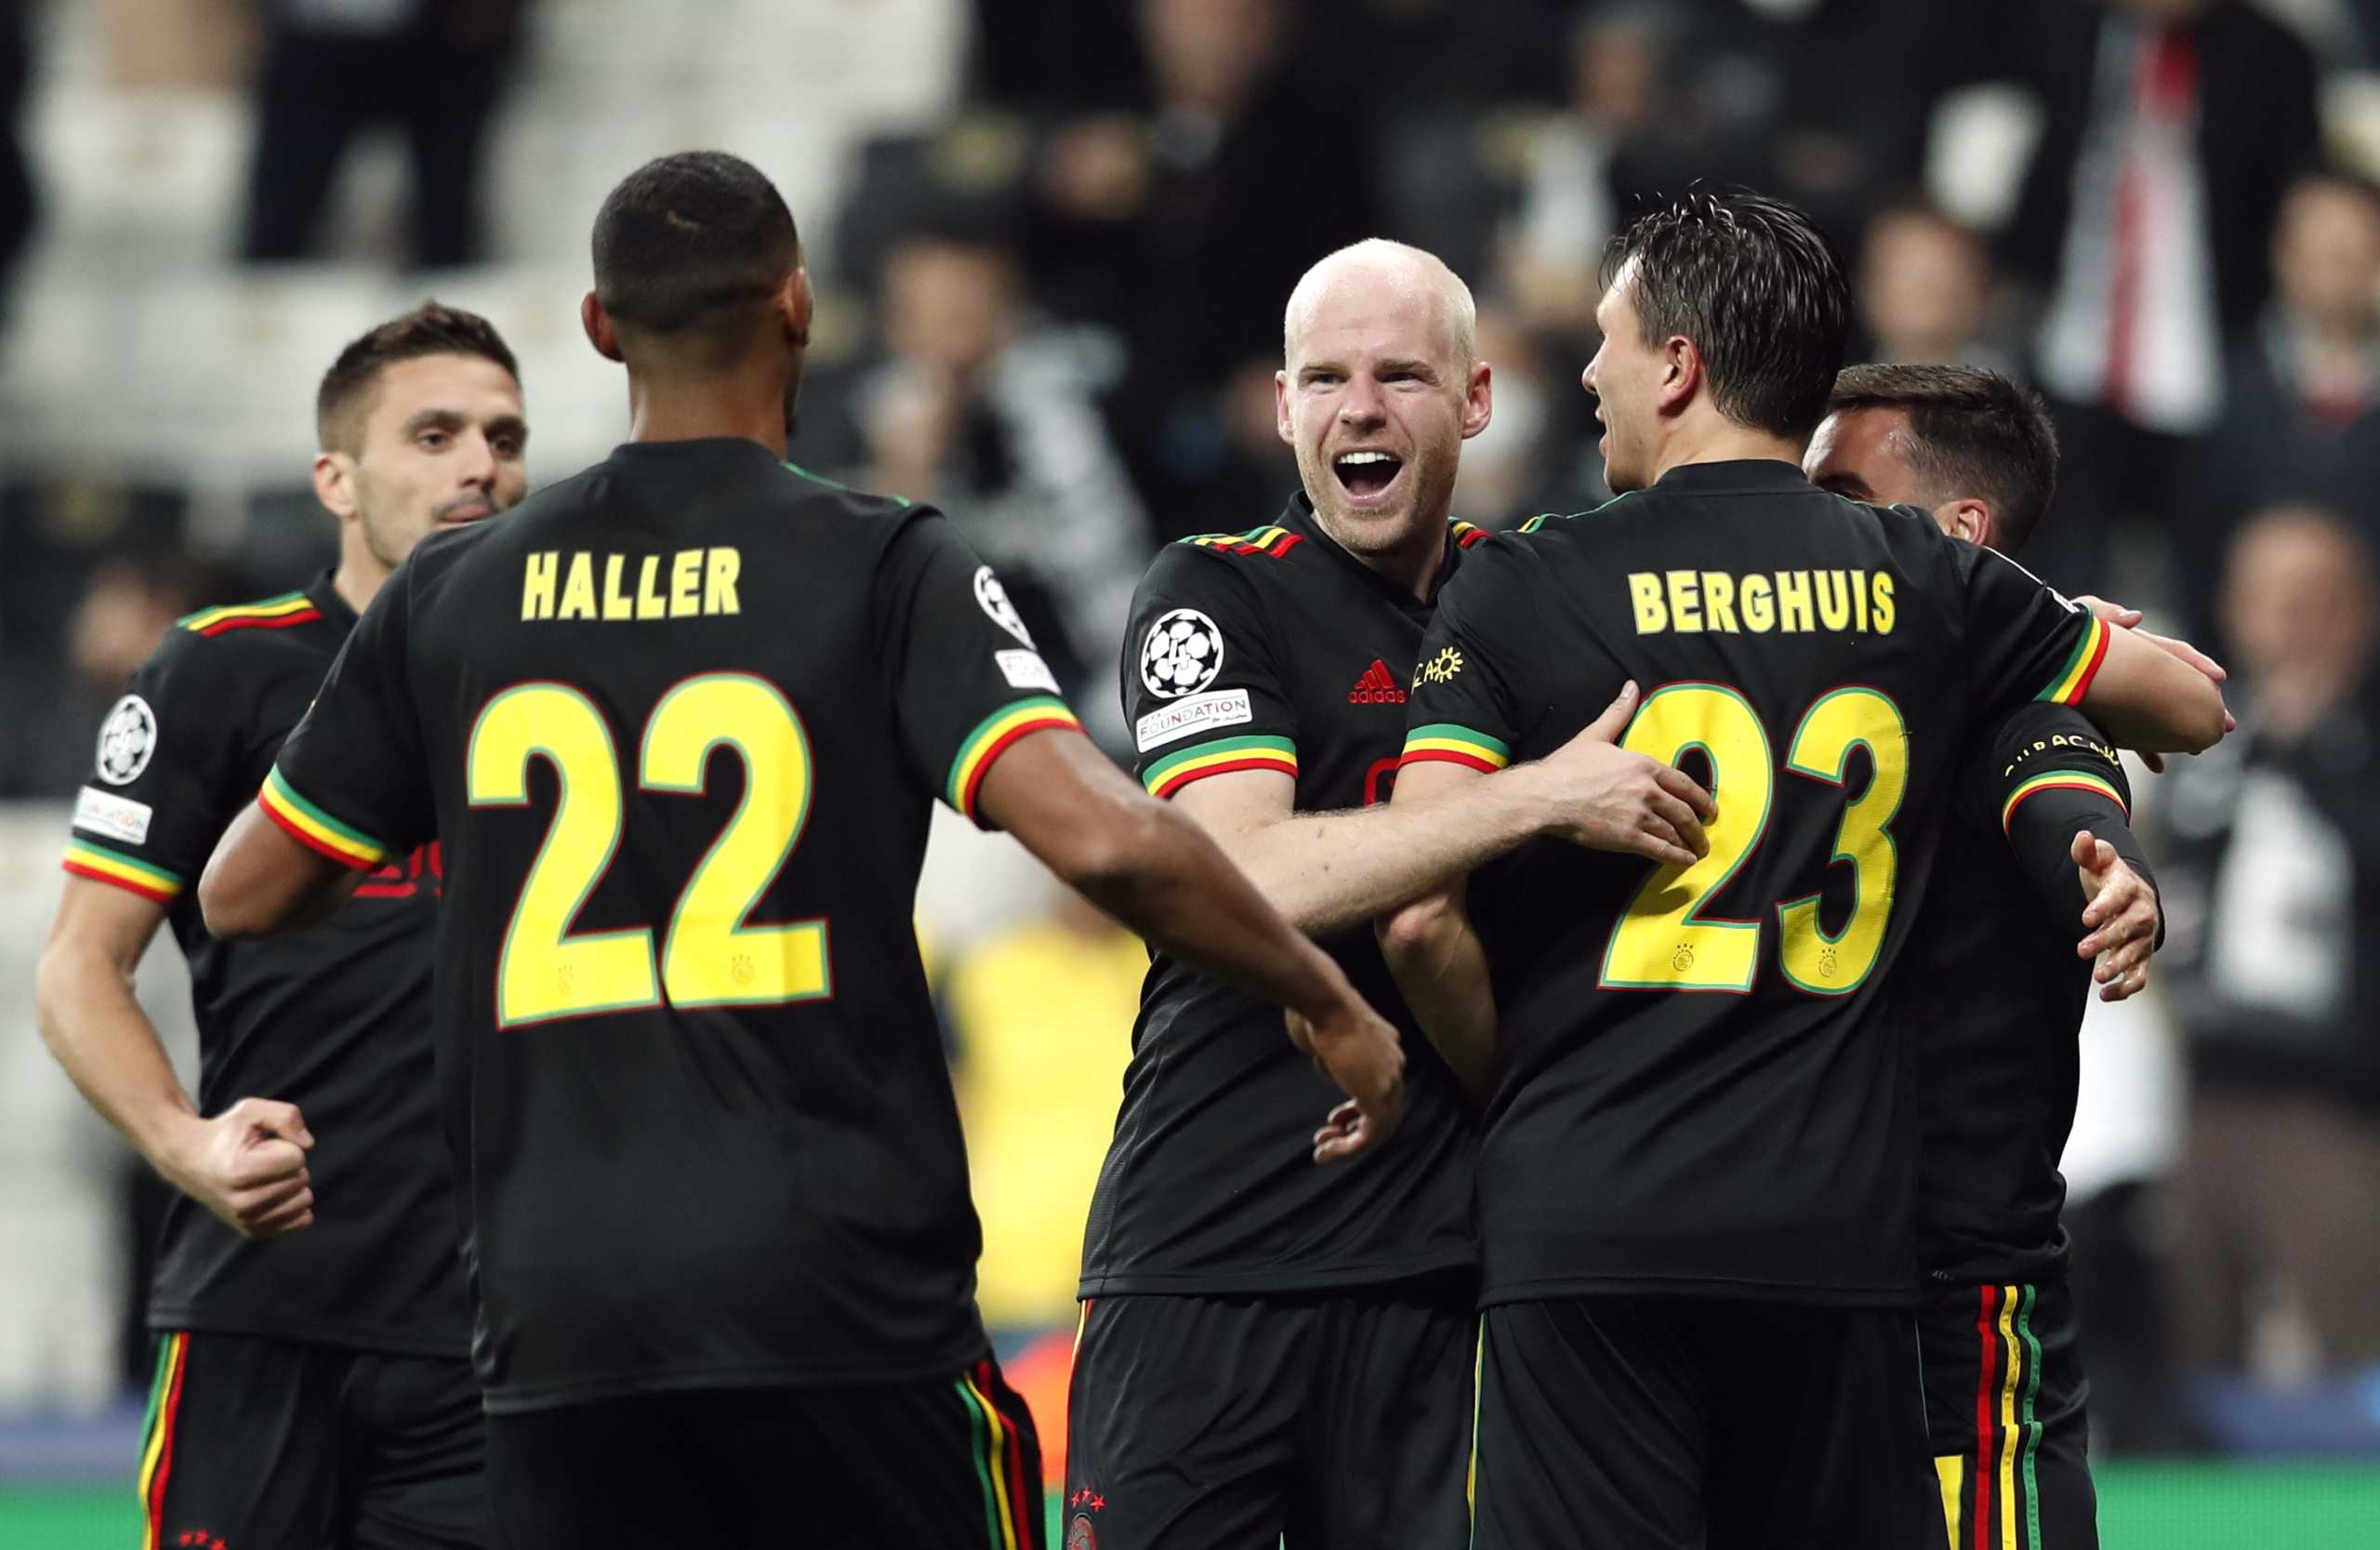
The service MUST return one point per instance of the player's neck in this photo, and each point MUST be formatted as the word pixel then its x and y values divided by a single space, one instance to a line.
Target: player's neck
pixel 1718 440
pixel 748 405
pixel 358 577
pixel 1412 565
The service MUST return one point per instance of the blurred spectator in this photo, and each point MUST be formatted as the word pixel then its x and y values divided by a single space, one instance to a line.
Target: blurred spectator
pixel 2172 128
pixel 993 421
pixel 1043 1013
pixel 2302 417
pixel 1532 457
pixel 1925 290
pixel 432 68
pixel 132 598
pixel 1185 220
pixel 15 172
pixel 2273 890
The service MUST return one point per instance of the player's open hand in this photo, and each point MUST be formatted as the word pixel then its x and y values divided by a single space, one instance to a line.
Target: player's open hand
pixel 247 1165
pixel 2121 918
pixel 2129 618
pixel 1608 798
pixel 1358 1050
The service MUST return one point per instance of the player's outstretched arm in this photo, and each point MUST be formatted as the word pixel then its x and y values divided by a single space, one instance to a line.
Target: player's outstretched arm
pixel 1435 955
pixel 247 1165
pixel 1157 873
pixel 261 882
pixel 1328 870
pixel 2147 699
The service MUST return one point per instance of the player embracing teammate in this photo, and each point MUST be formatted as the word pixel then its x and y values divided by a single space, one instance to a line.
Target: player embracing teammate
pixel 1640 804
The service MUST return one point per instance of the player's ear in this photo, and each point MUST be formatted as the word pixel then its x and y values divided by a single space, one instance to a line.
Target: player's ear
pixel 597 324
pixel 1970 520
pixel 1281 421
pixel 1478 400
pixel 335 484
pixel 795 303
pixel 1684 373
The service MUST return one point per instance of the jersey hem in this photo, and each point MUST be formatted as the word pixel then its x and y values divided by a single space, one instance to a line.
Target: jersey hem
pixel 1552 1289
pixel 514 1400
pixel 170 1316
pixel 1244 1283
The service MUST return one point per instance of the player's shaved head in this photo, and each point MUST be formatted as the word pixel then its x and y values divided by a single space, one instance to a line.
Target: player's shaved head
pixel 692 244
pixel 1391 266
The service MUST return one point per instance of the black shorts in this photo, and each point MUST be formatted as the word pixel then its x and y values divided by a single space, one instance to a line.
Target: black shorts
pixel 946 1464
pixel 1232 1423
pixel 2005 1401
pixel 263 1444
pixel 1648 1423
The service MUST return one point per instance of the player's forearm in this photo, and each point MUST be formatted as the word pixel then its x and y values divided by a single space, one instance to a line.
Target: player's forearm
pixel 1440 967
pixel 2144 699
pixel 94 1027
pixel 260 882
pixel 1171 883
pixel 1329 870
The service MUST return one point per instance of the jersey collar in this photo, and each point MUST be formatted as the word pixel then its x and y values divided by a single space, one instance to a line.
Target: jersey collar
pixel 1741 476
pixel 1299 518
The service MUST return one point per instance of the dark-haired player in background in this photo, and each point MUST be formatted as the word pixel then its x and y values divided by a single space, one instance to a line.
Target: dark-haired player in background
pixel 1697 1179
pixel 313 1386
pixel 1269 1349
pixel 678 724
pixel 2038 852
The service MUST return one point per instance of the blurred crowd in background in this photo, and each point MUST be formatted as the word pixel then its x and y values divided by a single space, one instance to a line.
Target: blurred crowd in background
pixel 1054 239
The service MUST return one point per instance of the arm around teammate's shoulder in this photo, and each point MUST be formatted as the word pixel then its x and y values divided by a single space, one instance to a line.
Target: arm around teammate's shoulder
pixel 2142 697
pixel 1157 873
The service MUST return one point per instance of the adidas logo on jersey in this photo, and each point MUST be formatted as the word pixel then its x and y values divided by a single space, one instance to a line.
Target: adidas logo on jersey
pixel 1377 686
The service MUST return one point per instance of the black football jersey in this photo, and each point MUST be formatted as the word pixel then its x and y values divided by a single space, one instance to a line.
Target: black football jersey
pixel 1699 1088
pixel 1992 988
pixel 335 1020
pixel 1273 649
pixel 679 722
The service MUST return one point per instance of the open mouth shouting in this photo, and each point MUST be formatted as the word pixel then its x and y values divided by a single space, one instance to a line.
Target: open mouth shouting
pixel 1367 475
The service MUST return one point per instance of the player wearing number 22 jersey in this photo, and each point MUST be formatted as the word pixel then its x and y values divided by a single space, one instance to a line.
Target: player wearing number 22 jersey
pixel 679 728
pixel 1698 1175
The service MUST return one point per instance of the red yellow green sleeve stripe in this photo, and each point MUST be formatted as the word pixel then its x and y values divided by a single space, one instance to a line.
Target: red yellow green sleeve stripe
pixel 994 735
pixel 2062 780
pixel 2073 680
pixel 1445 743
pixel 88 858
pixel 1221 757
pixel 316 829
pixel 288 608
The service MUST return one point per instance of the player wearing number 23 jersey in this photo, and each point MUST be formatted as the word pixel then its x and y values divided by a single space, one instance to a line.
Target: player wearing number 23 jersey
pixel 1697 1174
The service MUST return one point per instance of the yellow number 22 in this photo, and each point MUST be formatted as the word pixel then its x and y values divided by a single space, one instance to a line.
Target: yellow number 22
pixel 710 955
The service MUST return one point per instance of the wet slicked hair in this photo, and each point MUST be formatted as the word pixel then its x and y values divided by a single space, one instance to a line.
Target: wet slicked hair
pixel 431 328
pixel 1757 287
pixel 1972 433
pixel 693 244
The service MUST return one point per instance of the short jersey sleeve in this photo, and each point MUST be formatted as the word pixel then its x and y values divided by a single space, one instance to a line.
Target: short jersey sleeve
pixel 352 781
pixel 1472 700
pixel 2044 773
pixel 166 774
pixel 2023 643
pixel 965 679
pixel 1203 675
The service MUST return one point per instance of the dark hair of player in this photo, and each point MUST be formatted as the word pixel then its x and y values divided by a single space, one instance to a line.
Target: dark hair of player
pixel 692 244
pixel 1971 433
pixel 1757 287
pixel 431 328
